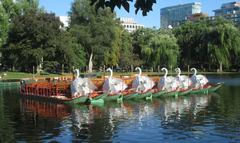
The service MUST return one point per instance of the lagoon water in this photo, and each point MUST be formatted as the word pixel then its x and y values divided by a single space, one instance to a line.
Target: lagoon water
pixel 194 118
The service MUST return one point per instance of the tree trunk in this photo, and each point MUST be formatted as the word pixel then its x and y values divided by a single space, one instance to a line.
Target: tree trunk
pixel 90 64
pixel 220 68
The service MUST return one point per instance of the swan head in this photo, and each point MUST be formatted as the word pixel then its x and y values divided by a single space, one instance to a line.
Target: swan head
pixel 137 68
pixel 76 71
pixel 140 71
pixel 164 69
pixel 193 69
pixel 108 69
pixel 177 69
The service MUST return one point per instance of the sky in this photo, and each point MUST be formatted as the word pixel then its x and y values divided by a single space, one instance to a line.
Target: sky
pixel 62 7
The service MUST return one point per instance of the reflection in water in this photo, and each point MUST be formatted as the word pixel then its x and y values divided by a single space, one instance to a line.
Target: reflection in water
pixel 6 129
pixel 44 109
pixel 177 106
pixel 194 118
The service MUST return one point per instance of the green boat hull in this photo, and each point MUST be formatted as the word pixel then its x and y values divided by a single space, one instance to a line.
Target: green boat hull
pixel 78 100
pixel 173 93
pixel 116 97
pixel 86 99
pixel 97 102
pixel 199 91
pixel 183 93
pixel 215 88
pixel 130 96
pixel 102 96
pixel 158 94
pixel 143 95
pixel 207 90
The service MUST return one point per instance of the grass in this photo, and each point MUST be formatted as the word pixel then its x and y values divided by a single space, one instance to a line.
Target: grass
pixel 21 75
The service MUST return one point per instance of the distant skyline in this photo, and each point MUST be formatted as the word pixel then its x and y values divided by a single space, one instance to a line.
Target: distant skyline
pixel 62 7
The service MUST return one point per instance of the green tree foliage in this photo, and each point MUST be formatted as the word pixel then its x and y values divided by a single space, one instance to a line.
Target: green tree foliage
pixel 127 58
pixel 98 32
pixel 156 47
pixel 35 36
pixel 4 25
pixel 70 52
pixel 18 7
pixel 144 5
pixel 208 43
pixel 9 9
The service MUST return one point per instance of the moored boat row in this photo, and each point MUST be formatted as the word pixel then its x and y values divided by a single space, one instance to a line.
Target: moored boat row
pixel 113 89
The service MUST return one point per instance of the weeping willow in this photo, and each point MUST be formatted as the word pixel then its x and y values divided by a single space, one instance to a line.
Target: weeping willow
pixel 224 45
pixel 157 48
pixel 165 51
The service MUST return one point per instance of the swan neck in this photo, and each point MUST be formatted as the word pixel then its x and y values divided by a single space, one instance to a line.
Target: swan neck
pixel 166 72
pixel 77 76
pixel 140 72
pixel 111 74
pixel 179 72
pixel 195 72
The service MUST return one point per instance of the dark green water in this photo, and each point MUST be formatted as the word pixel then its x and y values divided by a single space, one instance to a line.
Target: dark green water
pixel 195 118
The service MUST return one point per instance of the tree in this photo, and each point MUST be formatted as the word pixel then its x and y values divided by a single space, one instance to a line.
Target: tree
pixel 166 50
pixel 18 7
pixel 225 46
pixel 208 43
pixel 156 47
pixel 144 5
pixel 36 38
pixel 70 52
pixel 98 32
pixel 4 26
pixel 127 58
pixel 190 37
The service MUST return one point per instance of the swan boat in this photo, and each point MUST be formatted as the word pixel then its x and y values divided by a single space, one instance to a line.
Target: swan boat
pixel 129 89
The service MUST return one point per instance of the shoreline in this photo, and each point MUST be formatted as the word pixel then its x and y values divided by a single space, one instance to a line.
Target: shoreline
pixel 28 76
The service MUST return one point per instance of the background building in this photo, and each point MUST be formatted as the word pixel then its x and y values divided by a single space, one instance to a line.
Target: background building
pixel 174 15
pixel 64 20
pixel 197 16
pixel 130 25
pixel 229 11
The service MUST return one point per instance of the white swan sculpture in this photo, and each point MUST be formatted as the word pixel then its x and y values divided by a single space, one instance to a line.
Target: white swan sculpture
pixel 142 83
pixel 198 81
pixel 184 81
pixel 81 86
pixel 168 83
pixel 113 85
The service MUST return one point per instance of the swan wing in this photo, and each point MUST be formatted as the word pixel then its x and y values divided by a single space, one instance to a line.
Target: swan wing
pixel 148 82
pixel 106 85
pixel 161 83
pixel 114 85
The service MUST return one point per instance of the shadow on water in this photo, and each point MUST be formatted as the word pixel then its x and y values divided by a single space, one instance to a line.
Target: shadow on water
pixel 193 118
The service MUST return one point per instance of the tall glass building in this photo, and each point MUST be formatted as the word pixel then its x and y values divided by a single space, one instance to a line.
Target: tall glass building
pixel 229 11
pixel 174 15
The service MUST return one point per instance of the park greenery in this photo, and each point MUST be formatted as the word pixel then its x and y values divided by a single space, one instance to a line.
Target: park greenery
pixel 32 40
